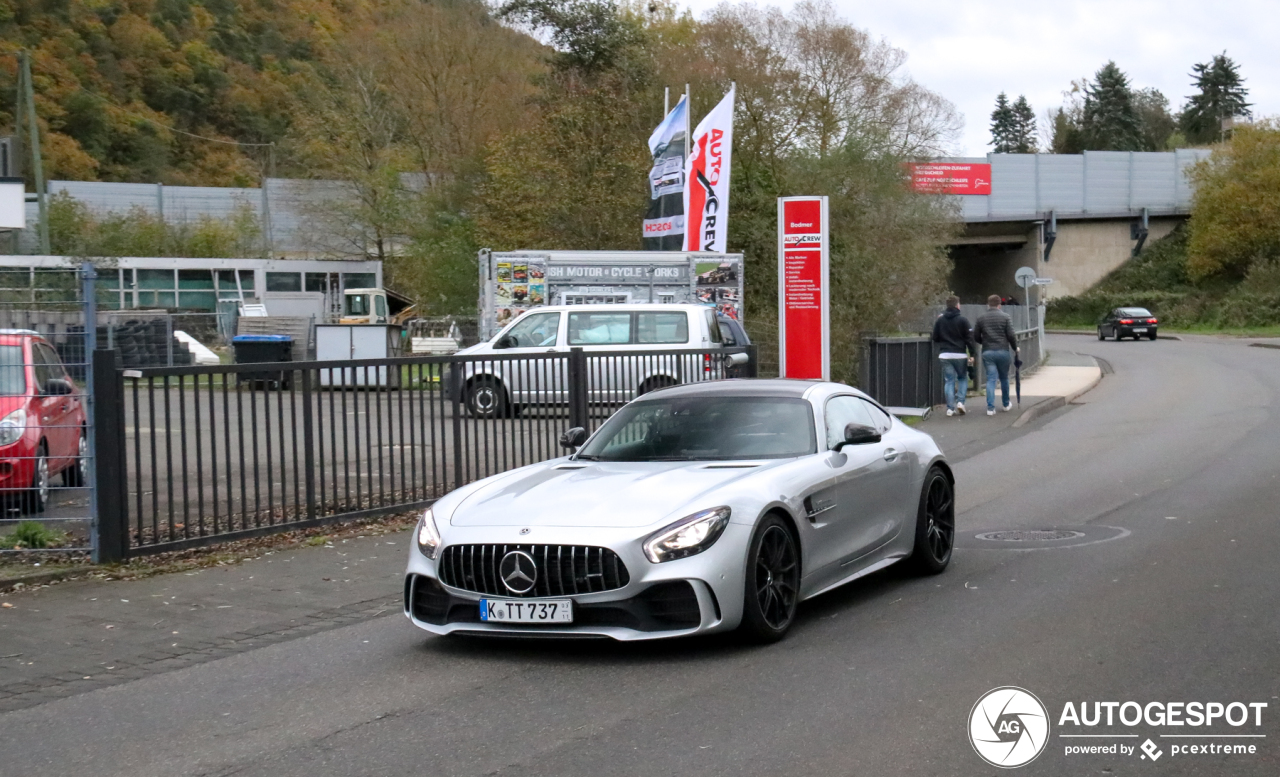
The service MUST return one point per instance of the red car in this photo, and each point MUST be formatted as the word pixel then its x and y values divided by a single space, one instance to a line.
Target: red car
pixel 42 420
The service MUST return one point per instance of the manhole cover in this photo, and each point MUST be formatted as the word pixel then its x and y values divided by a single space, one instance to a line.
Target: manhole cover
pixel 1030 535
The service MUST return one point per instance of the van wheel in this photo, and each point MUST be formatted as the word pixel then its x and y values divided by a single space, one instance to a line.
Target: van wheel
pixel 655 383
pixel 486 398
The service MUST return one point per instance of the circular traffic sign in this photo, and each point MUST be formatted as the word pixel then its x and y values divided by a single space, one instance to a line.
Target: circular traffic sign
pixel 1025 276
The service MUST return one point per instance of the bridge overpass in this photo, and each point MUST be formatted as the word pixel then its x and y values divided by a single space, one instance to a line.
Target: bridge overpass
pixel 1071 217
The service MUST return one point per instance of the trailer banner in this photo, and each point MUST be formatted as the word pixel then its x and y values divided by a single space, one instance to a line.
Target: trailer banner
pixel 663 227
pixel 706 198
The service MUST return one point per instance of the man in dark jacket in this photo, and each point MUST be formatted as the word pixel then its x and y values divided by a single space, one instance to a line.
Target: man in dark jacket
pixel 999 344
pixel 955 338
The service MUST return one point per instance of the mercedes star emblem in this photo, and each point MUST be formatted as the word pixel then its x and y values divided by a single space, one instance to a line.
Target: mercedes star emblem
pixel 524 531
pixel 518 572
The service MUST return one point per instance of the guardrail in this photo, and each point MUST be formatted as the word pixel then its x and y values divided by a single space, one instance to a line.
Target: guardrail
pixel 196 455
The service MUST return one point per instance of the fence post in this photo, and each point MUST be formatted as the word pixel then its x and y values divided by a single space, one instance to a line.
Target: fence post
pixel 753 361
pixel 308 443
pixel 578 408
pixel 88 280
pixel 109 458
pixel 456 384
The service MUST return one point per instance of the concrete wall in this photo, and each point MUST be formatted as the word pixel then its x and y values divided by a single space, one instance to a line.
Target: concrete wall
pixel 1086 251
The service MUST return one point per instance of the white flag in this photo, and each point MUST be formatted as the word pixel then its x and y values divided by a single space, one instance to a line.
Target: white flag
pixel 706 193
pixel 663 226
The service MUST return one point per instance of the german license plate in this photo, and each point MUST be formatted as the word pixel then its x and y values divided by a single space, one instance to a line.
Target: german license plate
pixel 1140 331
pixel 531 611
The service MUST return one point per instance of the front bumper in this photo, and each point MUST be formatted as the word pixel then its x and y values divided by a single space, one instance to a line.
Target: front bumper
pixel 696 595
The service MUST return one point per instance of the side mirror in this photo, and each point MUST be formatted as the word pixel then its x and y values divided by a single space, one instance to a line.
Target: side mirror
pixel 573 438
pixel 57 387
pixel 857 434
pixel 506 341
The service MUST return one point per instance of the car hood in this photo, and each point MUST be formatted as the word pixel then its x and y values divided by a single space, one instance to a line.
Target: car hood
pixel 600 494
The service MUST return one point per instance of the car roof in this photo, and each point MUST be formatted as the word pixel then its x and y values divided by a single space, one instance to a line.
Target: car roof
pixel 737 387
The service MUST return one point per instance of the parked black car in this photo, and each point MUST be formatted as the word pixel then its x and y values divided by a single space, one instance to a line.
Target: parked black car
pixel 1128 322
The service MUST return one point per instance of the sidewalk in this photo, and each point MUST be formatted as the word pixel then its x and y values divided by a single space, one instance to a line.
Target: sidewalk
pixel 1063 377
pixel 81 635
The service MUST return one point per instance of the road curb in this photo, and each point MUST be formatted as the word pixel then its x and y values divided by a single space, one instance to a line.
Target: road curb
pixel 9 584
pixel 1095 333
pixel 1053 403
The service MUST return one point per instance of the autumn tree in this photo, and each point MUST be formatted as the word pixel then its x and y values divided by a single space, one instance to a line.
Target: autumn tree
pixel 1235 214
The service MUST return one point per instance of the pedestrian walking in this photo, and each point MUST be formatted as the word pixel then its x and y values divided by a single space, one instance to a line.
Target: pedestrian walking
pixel 954 336
pixel 994 331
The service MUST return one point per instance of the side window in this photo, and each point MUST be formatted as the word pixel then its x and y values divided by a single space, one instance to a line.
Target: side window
pixel 669 328
pixel 599 328
pixel 842 411
pixel 380 304
pixel 536 329
pixel 44 367
pixel 726 335
pixel 882 420
pixel 713 326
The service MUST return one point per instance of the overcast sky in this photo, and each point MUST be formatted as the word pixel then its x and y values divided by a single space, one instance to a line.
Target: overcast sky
pixel 970 50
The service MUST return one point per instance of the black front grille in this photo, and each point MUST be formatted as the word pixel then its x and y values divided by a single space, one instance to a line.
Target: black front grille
pixel 562 569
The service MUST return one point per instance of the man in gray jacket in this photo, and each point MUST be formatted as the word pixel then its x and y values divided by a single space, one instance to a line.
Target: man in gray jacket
pixel 999 345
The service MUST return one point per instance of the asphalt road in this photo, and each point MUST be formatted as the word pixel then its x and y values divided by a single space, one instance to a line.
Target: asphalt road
pixel 1169 469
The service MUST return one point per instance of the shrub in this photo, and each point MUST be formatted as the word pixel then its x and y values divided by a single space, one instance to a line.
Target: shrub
pixel 31 534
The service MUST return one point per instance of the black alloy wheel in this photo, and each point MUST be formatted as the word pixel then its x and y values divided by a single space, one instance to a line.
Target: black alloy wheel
pixel 772 592
pixel 935 524
pixel 486 398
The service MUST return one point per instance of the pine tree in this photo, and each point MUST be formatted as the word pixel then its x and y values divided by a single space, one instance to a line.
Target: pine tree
pixel 1110 121
pixel 1004 126
pixel 1025 126
pixel 1221 96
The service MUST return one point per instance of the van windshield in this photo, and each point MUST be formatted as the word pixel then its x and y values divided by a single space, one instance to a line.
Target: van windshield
pixel 13 374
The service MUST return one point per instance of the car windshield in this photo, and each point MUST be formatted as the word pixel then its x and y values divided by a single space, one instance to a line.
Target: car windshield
pixel 1135 312
pixel 706 428
pixel 13 380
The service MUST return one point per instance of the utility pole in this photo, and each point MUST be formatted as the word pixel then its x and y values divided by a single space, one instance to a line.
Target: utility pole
pixel 27 95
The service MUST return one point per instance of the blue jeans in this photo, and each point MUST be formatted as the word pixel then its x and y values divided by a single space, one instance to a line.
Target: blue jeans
pixel 997 363
pixel 955 381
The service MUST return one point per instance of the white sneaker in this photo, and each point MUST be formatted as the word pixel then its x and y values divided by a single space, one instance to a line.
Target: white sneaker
pixel 960 408
pixel 991 412
pixel 1007 408
pixel 950 412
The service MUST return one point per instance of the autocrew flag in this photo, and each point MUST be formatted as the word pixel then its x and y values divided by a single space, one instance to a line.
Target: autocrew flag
pixel 706 197
pixel 664 222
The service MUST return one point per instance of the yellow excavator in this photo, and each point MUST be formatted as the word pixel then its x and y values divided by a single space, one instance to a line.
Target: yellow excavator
pixel 376 306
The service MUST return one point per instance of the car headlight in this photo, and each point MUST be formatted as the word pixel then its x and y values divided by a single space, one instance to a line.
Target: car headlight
pixel 12 426
pixel 687 536
pixel 428 535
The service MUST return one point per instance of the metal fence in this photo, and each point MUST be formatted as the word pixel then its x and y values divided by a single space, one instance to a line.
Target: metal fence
pixel 46 462
pixel 905 371
pixel 196 455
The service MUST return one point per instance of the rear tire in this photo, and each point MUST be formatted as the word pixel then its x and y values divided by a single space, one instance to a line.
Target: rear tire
pixel 655 383
pixel 486 398
pixel 935 525
pixel 771 592
pixel 74 476
pixel 1151 336
pixel 1101 336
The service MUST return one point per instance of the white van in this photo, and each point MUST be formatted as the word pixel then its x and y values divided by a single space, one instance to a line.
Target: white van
pixel 639 338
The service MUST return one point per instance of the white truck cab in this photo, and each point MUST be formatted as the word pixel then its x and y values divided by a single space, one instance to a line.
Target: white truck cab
pixel 365 306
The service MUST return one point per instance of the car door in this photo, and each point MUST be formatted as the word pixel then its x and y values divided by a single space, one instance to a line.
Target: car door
pixel 604 330
pixel 903 503
pixel 533 381
pixel 852 510
pixel 56 410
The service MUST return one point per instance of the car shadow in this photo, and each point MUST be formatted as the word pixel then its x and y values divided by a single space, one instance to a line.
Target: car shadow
pixel 871 590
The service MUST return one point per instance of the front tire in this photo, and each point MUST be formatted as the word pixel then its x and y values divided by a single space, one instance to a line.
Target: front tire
pixel 772 590
pixel 37 497
pixel 935 524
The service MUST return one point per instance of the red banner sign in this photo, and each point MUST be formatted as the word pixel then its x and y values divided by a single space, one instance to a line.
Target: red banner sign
pixel 804 338
pixel 950 178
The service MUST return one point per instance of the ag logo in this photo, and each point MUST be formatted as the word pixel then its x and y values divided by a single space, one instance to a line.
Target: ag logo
pixel 1008 727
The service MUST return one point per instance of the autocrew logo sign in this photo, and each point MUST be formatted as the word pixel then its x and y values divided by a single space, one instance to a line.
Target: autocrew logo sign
pixel 1010 727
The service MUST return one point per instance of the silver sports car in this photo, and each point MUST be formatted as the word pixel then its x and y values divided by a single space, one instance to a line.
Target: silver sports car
pixel 694 509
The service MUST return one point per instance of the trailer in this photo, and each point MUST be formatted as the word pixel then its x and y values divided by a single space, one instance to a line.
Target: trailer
pixel 512 282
